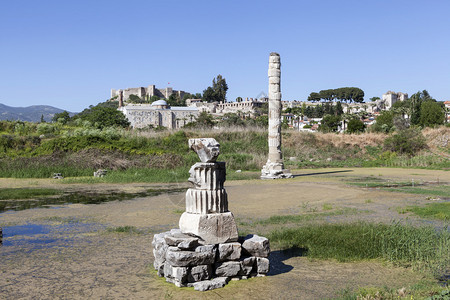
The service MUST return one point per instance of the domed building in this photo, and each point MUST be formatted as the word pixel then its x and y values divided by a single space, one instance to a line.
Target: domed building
pixel 159 113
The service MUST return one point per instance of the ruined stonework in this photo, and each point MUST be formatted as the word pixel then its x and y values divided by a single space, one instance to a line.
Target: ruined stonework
pixel 206 252
pixel 274 168
pixel 207 214
pixel 154 115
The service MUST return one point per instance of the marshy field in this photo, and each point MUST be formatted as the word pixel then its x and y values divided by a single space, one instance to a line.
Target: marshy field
pixel 361 219
pixel 335 233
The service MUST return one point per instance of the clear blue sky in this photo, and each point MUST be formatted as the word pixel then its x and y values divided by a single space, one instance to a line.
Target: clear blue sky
pixel 69 54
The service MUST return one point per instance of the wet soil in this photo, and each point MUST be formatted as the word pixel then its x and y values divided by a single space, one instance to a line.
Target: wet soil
pixel 68 251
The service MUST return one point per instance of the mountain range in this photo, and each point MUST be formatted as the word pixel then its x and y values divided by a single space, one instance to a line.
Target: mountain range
pixel 30 113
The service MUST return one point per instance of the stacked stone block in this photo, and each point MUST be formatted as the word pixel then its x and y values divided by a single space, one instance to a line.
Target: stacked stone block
pixel 186 261
pixel 206 252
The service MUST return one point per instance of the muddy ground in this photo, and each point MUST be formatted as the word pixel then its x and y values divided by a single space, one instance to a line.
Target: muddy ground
pixel 69 251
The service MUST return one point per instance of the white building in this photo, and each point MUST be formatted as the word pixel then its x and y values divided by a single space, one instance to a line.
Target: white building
pixel 159 113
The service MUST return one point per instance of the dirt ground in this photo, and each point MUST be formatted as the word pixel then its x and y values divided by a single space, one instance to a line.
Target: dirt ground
pixel 77 257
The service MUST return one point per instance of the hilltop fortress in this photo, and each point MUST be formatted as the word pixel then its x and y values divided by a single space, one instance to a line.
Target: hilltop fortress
pixel 147 92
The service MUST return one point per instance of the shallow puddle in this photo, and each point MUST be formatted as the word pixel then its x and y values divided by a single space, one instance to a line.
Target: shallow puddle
pixel 36 236
pixel 80 197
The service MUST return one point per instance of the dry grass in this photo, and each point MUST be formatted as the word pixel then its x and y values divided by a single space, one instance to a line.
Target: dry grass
pixel 437 137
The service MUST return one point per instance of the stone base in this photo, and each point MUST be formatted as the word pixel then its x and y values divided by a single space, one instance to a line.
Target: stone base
pixel 275 171
pixel 211 228
pixel 207 267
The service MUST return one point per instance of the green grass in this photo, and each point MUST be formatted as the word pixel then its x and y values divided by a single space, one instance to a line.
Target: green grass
pixel 124 229
pixel 426 289
pixel 26 193
pixel 283 219
pixel 424 248
pixel 441 190
pixel 439 211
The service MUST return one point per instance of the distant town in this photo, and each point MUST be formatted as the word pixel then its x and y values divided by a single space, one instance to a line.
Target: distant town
pixel 165 107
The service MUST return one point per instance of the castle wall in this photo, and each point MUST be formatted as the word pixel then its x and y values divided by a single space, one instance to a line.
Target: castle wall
pixel 141 116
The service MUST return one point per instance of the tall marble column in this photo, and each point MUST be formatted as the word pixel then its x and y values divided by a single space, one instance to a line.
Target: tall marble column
pixel 274 168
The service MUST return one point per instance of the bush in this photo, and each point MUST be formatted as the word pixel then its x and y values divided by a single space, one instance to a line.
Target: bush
pixel 408 141
pixel 355 126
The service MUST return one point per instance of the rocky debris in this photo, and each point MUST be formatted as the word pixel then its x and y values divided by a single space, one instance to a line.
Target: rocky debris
pixel 262 265
pixel 57 176
pixel 247 265
pixel 207 149
pixel 182 241
pixel 201 265
pixel 181 258
pixel 229 251
pixel 100 173
pixel 255 245
pixel 228 268
pixel 215 283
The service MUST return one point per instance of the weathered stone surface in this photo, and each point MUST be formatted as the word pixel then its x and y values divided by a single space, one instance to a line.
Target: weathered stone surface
pixel 159 251
pixel 100 173
pixel 159 267
pixel 179 258
pixel 210 284
pixel 262 265
pixel 207 176
pixel 256 245
pixel 212 228
pixel 182 241
pixel 274 168
pixel 200 273
pixel 207 149
pixel 178 274
pixel 206 248
pixel 206 201
pixel 228 268
pixel 229 251
pixel 247 265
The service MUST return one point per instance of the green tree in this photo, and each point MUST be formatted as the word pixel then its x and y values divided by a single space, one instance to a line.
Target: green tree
pixel 431 114
pixel 314 97
pixel 209 95
pixel 220 88
pixel 415 103
pixel 102 117
pixel 216 92
pixel 373 99
pixel 384 122
pixel 355 126
pixel 135 99
pixel 339 109
pixel 62 117
pixel 330 123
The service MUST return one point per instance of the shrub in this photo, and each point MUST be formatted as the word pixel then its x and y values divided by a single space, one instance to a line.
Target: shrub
pixel 408 141
pixel 355 126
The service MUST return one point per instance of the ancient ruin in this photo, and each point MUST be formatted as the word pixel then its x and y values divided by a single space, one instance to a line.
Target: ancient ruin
pixel 206 252
pixel 274 168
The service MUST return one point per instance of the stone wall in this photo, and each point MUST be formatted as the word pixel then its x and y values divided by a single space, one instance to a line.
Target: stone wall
pixel 144 92
pixel 141 116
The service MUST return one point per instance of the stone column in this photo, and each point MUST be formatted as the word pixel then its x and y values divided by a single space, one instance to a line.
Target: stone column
pixel 207 214
pixel 274 168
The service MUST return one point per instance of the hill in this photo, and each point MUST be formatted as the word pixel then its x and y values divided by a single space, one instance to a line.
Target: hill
pixel 31 113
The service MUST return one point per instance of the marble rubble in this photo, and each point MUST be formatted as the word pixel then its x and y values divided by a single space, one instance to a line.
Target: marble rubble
pixel 206 251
